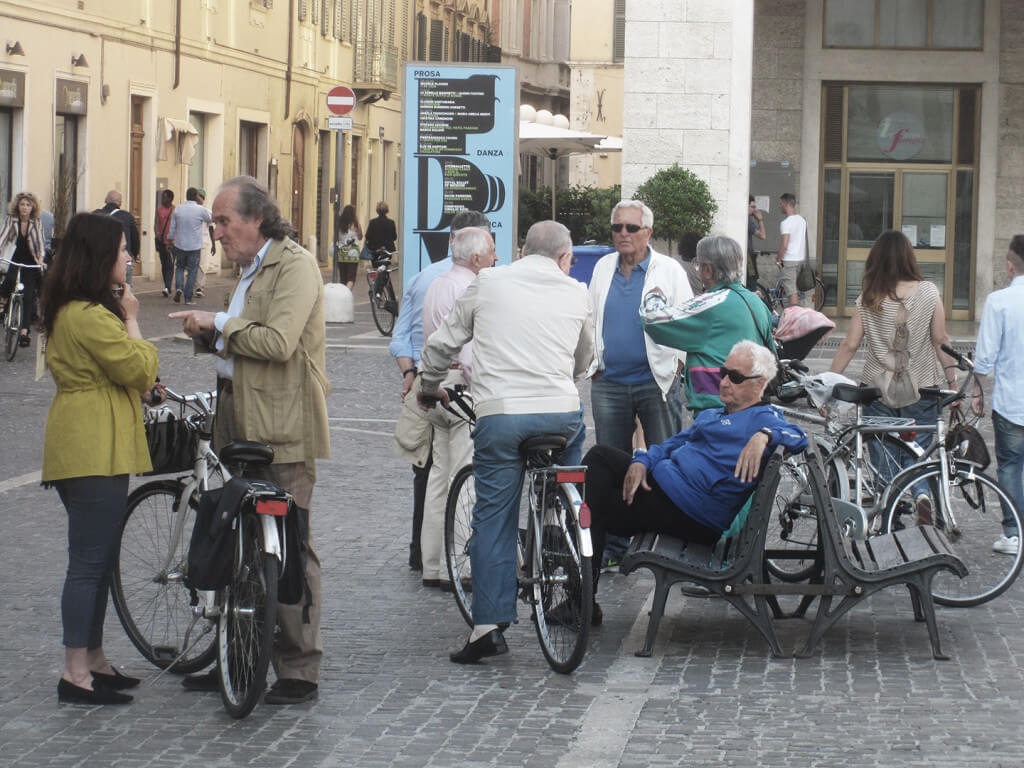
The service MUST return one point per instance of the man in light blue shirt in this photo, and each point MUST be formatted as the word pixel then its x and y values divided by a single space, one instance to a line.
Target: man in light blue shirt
pixel 999 349
pixel 406 343
pixel 186 240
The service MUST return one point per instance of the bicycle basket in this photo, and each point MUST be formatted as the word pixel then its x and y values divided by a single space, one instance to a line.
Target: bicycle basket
pixel 172 441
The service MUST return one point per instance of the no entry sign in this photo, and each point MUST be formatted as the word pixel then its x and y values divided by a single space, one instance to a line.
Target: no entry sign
pixel 341 99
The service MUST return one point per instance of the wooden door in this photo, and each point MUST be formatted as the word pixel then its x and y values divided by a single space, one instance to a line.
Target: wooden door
pixel 298 176
pixel 135 168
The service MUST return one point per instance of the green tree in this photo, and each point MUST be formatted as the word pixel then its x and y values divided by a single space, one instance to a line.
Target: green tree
pixel 680 201
pixel 584 210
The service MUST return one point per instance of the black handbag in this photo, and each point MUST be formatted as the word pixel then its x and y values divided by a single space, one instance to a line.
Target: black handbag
pixel 172 442
pixel 805 277
pixel 966 442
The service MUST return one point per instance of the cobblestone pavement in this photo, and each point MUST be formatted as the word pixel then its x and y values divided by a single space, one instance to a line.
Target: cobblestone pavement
pixel 711 695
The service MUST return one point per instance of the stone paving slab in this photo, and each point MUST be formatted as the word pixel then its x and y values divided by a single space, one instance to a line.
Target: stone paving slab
pixel 711 695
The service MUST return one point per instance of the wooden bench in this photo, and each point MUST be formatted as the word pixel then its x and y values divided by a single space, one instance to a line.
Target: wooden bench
pixel 736 569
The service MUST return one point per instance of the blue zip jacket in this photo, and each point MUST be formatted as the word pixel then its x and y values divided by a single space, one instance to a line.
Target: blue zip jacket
pixel 695 467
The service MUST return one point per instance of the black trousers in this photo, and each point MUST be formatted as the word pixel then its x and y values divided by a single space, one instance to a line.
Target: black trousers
pixel 651 510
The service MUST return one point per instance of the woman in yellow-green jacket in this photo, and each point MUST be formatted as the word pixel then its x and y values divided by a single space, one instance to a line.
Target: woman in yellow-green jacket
pixel 94 434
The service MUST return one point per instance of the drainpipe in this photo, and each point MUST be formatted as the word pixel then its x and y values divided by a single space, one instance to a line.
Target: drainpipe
pixel 177 44
pixel 288 74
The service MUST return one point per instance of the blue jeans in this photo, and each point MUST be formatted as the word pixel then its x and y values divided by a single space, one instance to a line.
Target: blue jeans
pixel 922 412
pixel 616 406
pixel 96 507
pixel 498 475
pixel 1010 460
pixel 185 260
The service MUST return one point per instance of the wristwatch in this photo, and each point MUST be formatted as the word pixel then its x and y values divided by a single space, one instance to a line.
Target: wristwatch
pixel 767 432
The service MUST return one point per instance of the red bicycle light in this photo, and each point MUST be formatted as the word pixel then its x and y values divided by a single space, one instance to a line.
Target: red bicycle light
pixel 570 477
pixel 584 515
pixel 272 507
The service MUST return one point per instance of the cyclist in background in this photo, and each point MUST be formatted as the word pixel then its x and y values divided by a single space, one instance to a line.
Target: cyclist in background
pixel 24 228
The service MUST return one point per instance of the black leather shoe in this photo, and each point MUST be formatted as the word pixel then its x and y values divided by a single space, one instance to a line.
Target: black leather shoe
pixel 69 693
pixel 116 681
pixel 291 691
pixel 491 644
pixel 432 583
pixel 208 681
pixel 23 340
pixel 415 559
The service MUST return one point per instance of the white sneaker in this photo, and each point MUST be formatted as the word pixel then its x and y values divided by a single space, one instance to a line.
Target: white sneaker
pixel 1006 545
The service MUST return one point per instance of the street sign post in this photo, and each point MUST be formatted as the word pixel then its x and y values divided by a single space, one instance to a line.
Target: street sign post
pixel 341 99
pixel 338 123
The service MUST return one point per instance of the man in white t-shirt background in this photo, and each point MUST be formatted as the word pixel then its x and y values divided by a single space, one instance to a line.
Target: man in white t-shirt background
pixel 792 245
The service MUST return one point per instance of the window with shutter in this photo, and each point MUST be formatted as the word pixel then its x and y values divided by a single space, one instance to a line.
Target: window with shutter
pixel 436 39
pixel 303 10
pixel 421 53
pixel 619 31
pixel 325 17
pixel 833 123
pixel 315 18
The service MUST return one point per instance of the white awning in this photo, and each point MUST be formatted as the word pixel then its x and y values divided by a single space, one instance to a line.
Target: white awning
pixel 183 134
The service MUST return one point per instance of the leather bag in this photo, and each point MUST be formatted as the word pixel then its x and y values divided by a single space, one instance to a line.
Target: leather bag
pixel 805 277
pixel 966 442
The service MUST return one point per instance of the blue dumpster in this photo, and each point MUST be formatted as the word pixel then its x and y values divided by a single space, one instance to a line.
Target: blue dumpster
pixel 586 257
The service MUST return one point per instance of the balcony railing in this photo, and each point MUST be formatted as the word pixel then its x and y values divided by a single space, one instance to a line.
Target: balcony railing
pixel 376 65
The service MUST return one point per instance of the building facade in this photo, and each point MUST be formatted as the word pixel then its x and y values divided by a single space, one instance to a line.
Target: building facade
pixel 140 96
pixel 876 114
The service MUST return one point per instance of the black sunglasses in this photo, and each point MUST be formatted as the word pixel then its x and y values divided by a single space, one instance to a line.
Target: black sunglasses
pixel 735 376
pixel 631 228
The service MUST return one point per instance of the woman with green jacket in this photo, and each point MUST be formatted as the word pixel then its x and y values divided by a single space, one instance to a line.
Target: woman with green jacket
pixel 94 434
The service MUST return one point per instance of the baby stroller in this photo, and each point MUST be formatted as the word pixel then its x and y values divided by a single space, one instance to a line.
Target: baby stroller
pixel 799 329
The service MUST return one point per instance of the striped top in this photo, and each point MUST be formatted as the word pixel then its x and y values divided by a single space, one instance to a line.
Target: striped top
pixel 882 362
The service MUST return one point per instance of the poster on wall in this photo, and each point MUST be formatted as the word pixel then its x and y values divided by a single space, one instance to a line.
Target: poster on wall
pixel 459 137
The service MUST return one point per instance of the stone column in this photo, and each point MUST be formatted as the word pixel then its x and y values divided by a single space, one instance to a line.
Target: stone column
pixel 687 98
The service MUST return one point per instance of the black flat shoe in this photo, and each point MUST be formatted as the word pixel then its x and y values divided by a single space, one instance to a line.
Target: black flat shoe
pixel 208 681
pixel 69 693
pixel 491 644
pixel 116 681
pixel 432 583
pixel 23 340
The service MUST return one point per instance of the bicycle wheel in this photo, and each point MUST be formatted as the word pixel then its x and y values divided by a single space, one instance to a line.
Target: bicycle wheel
pixel 458 516
pixel 765 294
pixel 148 584
pixel 13 326
pixel 245 630
pixel 563 586
pixel 382 299
pixel 978 504
pixel 793 524
pixel 818 298
pixel 884 456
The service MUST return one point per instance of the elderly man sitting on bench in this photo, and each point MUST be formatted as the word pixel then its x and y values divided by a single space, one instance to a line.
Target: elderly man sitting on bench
pixel 694 484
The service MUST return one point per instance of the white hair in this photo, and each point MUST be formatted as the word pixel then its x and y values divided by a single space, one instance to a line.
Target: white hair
pixel 762 360
pixel 646 215
pixel 469 241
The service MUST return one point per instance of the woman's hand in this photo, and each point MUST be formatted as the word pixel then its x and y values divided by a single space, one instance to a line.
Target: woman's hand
pixel 129 302
pixel 636 477
pixel 154 395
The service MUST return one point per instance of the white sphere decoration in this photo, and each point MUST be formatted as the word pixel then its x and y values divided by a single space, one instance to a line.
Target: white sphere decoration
pixel 527 113
pixel 560 121
pixel 544 117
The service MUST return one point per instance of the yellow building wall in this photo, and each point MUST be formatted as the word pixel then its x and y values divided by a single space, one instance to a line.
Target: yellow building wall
pixel 233 66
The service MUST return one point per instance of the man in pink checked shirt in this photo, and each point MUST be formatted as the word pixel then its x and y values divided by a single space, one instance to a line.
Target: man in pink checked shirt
pixel 472 251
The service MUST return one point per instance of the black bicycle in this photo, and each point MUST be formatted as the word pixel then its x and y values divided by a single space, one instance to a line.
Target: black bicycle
pixel 383 303
pixel 13 315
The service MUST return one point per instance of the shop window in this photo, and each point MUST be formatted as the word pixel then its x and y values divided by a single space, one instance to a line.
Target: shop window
pixel 915 24
pixel 896 124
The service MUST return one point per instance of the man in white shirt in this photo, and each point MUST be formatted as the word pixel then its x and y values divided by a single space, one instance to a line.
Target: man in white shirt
pixel 998 352
pixel 452 445
pixel 792 246
pixel 532 338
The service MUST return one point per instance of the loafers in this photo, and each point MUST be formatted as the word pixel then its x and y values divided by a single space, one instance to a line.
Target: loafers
pixel 205 682
pixel 116 681
pixel 291 691
pixel 491 644
pixel 432 583
pixel 69 693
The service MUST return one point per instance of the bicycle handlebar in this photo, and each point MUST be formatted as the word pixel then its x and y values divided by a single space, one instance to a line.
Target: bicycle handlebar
pixel 962 362
pixel 200 401
pixel 20 265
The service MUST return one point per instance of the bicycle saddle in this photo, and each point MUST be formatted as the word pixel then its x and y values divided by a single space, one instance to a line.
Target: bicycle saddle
pixel 247 452
pixel 539 443
pixel 850 393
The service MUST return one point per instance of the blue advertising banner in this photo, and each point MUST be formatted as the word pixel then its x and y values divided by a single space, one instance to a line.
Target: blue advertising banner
pixel 459 138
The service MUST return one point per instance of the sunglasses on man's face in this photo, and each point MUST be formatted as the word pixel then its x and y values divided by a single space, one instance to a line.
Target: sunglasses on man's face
pixel 735 376
pixel 631 228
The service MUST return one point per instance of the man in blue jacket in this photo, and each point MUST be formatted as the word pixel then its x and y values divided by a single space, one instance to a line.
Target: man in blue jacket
pixel 692 485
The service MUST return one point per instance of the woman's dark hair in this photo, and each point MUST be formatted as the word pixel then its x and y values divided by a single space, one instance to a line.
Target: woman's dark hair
pixel 81 269
pixel 347 219
pixel 890 260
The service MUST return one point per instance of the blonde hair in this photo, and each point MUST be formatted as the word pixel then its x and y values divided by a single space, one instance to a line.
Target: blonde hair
pixel 25 196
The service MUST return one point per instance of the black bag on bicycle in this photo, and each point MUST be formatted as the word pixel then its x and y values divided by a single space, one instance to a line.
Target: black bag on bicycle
pixel 966 442
pixel 172 442
pixel 211 549
pixel 805 278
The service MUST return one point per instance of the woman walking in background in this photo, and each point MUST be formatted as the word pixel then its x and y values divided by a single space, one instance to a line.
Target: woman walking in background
pixel 161 226
pixel 346 256
pixel 94 435
pixel 24 228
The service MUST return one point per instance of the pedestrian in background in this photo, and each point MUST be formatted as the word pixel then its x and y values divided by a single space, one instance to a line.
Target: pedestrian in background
pixel 112 207
pixel 998 351
pixel 94 435
pixel 205 254
pixel 346 252
pixel 161 227
pixel 755 228
pixel 24 228
pixel 380 232
pixel 792 246
pixel 186 239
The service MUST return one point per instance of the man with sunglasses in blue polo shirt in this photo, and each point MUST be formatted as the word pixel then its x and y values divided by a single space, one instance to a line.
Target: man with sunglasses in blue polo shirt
pixel 692 485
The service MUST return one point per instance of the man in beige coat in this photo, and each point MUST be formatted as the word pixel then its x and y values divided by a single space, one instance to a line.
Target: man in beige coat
pixel 272 388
